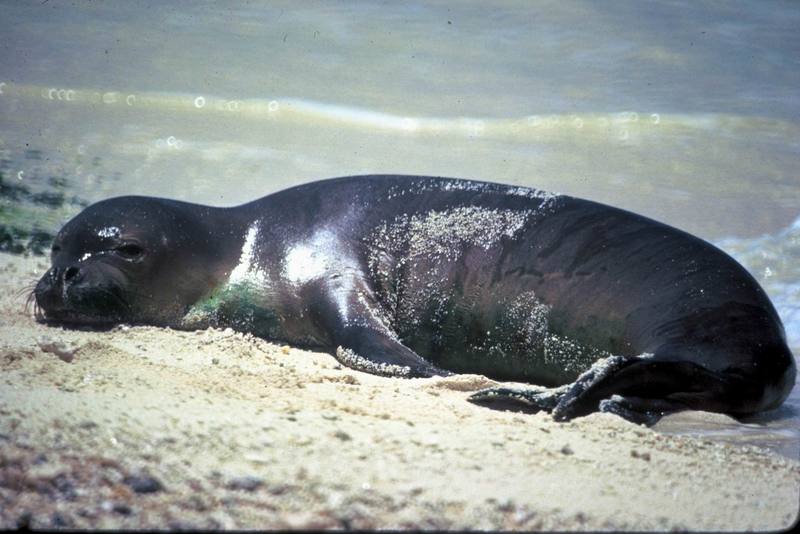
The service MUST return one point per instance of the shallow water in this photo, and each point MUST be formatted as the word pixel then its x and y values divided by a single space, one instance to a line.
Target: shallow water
pixel 683 111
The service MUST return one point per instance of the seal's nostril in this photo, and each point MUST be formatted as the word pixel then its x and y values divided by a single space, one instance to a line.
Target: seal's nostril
pixel 70 273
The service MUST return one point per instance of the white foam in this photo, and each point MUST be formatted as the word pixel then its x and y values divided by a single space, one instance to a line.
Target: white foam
pixel 360 116
pixel 773 260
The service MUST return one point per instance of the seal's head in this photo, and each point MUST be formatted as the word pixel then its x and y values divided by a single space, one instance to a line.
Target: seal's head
pixel 132 259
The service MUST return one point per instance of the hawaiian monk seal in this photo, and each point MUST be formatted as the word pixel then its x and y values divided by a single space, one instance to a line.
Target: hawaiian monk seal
pixel 419 276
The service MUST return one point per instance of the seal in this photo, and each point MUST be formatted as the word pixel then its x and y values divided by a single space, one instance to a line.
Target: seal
pixel 596 307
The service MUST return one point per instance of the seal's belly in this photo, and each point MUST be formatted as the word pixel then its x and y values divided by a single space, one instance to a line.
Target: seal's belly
pixel 466 316
pixel 463 293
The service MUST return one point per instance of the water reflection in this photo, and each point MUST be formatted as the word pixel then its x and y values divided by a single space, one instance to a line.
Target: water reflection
pixel 776 430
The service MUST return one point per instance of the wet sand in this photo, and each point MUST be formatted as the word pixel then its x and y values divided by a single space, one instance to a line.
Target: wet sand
pixel 141 427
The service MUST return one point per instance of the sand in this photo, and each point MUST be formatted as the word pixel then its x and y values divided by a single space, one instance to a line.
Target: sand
pixel 149 427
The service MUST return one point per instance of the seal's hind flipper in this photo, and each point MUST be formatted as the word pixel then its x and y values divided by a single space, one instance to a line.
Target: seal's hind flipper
pixel 580 393
pixel 643 388
pixel 640 389
pixel 640 410
pixel 535 399
pixel 634 409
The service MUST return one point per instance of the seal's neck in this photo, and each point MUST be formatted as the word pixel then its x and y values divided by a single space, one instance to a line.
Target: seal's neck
pixel 227 228
pixel 212 236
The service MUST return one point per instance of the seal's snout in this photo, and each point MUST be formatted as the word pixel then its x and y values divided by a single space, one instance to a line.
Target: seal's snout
pixel 79 293
pixel 48 292
pixel 63 278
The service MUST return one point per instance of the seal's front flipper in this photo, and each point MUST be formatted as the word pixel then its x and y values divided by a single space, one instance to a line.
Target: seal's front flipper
pixel 377 352
pixel 532 399
pixel 362 336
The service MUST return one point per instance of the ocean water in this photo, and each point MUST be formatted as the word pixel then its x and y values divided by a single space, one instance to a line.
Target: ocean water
pixel 687 112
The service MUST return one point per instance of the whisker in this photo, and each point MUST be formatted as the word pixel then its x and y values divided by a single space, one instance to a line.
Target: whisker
pixel 38 313
pixel 25 288
pixel 29 292
pixel 30 298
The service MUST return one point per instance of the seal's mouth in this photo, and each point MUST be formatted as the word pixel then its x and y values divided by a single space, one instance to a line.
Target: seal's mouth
pixel 75 316
pixel 71 317
pixel 86 303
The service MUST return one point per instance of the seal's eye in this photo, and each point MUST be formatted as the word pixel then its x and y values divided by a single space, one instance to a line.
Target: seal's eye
pixel 130 251
pixel 55 249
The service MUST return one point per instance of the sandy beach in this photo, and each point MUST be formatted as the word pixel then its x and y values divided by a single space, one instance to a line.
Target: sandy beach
pixel 141 427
